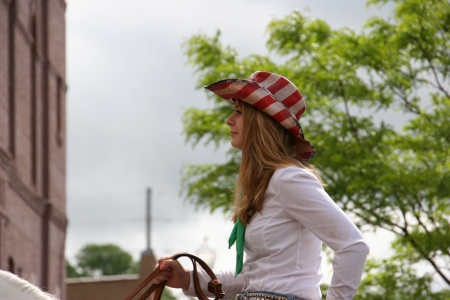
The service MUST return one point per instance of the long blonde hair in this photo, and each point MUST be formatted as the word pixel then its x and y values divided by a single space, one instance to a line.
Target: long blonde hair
pixel 267 146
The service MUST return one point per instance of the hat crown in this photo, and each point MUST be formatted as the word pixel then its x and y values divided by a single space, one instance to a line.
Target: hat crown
pixel 283 90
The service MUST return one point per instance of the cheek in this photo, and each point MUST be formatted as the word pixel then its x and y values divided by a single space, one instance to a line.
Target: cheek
pixel 240 123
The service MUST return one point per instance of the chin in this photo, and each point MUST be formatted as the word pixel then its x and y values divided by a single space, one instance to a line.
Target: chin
pixel 235 145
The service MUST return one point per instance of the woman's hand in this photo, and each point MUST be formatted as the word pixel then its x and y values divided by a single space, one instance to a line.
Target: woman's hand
pixel 176 275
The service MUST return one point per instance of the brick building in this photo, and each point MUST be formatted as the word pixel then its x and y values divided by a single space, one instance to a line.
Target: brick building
pixel 32 141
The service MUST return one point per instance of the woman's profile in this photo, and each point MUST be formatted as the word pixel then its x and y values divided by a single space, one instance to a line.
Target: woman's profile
pixel 281 210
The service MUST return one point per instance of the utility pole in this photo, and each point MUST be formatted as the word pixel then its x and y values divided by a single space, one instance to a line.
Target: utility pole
pixel 148 259
pixel 149 196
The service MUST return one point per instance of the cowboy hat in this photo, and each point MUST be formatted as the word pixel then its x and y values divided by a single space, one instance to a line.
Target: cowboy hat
pixel 273 94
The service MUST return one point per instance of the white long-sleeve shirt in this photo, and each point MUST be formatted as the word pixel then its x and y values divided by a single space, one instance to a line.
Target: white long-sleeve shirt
pixel 283 243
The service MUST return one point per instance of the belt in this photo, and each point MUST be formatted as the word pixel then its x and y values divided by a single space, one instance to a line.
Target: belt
pixel 266 296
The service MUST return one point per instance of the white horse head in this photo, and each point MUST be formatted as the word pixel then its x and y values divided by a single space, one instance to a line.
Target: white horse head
pixel 15 288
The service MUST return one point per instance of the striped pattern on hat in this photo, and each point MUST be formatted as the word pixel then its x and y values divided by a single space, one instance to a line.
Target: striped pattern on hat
pixel 273 94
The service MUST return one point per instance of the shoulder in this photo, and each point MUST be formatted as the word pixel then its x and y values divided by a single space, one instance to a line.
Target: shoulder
pixel 294 173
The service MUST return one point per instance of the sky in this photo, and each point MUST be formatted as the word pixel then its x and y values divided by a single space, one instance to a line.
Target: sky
pixel 128 88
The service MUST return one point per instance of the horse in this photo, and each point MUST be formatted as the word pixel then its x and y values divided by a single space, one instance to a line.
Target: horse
pixel 13 287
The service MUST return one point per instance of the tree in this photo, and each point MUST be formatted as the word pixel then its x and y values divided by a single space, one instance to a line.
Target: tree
pixel 392 279
pixel 107 259
pixel 389 177
pixel 71 272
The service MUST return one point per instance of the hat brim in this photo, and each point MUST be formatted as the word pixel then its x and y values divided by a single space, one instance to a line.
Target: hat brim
pixel 260 97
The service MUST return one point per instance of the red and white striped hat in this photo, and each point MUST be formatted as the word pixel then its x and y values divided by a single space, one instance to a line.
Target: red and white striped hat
pixel 273 94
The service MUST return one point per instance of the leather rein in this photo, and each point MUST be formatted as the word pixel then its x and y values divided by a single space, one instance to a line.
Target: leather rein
pixel 214 286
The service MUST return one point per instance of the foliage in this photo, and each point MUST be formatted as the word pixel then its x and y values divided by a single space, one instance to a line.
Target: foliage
pixel 394 279
pixel 167 295
pixel 71 272
pixel 388 176
pixel 210 184
pixel 324 289
pixel 107 259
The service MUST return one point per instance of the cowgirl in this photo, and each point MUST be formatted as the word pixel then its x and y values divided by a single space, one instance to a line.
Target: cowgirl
pixel 282 214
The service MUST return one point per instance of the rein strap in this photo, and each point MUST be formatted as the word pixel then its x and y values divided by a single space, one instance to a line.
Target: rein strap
pixel 214 286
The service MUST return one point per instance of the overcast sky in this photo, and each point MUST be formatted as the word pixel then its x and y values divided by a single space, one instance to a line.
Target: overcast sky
pixel 128 88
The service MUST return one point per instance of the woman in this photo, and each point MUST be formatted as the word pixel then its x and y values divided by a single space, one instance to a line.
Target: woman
pixel 282 213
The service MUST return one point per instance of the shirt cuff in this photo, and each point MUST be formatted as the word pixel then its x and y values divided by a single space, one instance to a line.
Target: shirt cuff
pixel 190 291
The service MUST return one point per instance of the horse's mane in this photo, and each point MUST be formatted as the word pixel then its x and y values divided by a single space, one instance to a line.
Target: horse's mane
pixel 12 288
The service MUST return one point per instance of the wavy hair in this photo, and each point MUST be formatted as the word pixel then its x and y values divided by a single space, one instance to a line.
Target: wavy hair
pixel 267 146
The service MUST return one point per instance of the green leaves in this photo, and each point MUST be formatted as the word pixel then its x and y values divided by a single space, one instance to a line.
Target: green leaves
pixel 297 35
pixel 208 124
pixel 211 185
pixel 107 259
pixel 71 271
pixel 393 279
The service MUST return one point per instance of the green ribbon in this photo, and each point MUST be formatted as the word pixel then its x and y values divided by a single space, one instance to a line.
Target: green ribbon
pixel 237 235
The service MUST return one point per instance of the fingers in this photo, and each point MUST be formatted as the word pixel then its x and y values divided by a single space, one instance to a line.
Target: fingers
pixel 165 264
pixel 163 276
pixel 173 272
pixel 161 262
pixel 163 258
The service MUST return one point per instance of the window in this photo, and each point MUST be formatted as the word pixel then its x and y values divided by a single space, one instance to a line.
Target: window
pixel 11 265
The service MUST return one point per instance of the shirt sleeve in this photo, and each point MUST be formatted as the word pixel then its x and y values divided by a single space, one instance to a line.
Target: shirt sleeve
pixel 304 199
pixel 231 285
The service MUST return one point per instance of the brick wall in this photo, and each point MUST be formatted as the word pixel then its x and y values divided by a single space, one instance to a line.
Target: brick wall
pixel 32 141
pixel 103 288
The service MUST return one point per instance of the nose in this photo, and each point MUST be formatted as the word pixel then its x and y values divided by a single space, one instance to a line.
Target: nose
pixel 230 120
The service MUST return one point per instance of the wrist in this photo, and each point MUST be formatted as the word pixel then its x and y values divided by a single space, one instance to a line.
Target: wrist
pixel 186 280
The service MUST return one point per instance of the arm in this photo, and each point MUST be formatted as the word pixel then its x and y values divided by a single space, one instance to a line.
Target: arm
pixel 304 199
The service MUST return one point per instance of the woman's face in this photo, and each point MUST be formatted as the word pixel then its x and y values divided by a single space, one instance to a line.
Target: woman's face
pixel 236 123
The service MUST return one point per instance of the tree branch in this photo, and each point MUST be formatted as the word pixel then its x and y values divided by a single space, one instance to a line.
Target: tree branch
pixel 406 234
pixel 431 65
pixel 347 111
pixel 425 256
